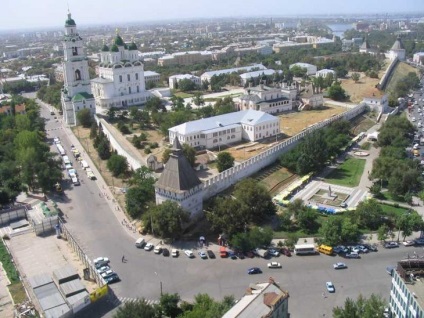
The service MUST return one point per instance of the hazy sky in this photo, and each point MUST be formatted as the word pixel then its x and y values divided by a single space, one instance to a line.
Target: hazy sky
pixel 42 13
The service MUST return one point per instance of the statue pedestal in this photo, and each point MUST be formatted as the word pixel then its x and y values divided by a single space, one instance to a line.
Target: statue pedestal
pixel 328 196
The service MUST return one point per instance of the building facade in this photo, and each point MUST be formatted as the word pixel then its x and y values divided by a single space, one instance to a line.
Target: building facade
pixel 407 289
pixel 174 79
pixel 151 77
pixel 378 102
pixel 76 93
pixel 397 51
pixel 418 58
pixel 271 100
pixel 121 80
pixel 222 130
pixel 310 69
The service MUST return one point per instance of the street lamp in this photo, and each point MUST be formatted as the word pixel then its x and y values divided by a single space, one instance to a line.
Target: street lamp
pixel 161 292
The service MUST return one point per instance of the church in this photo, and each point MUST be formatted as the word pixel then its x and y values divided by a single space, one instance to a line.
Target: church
pixel 76 93
pixel 121 77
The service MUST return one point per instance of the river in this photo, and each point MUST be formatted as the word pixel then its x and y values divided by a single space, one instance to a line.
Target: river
pixel 338 29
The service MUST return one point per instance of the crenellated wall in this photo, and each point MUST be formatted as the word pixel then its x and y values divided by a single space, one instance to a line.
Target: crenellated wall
pixel 250 166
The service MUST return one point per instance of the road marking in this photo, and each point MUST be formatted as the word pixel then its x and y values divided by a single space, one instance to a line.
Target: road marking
pixel 117 301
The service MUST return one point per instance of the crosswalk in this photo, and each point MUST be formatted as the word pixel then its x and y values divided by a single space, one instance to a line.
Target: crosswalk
pixel 117 301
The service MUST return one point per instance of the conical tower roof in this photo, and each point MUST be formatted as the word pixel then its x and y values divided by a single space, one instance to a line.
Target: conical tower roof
pixel 365 45
pixel 178 175
pixel 398 45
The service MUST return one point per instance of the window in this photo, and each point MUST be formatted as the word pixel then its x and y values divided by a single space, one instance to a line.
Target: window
pixel 136 76
pixel 129 90
pixel 77 75
pixel 129 77
pixel 120 78
pixel 74 51
pixel 138 89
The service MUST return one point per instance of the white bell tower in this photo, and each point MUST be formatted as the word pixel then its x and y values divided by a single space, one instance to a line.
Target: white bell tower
pixel 76 93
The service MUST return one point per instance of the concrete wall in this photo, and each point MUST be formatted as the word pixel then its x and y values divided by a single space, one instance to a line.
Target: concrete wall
pixel 245 169
pixel 132 161
pixel 384 79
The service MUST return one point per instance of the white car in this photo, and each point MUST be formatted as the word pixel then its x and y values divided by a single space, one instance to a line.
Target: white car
pixel 408 243
pixel 107 273
pixel 101 260
pixel 157 250
pixel 413 119
pixel 189 253
pixel 148 247
pixel 274 265
pixel 103 269
pixel 203 255
pixel 339 266
pixel 330 287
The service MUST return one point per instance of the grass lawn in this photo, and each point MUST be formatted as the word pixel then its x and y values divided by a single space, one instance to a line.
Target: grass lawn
pixel 400 71
pixel 18 292
pixel 8 265
pixel 393 211
pixel 183 95
pixel 348 173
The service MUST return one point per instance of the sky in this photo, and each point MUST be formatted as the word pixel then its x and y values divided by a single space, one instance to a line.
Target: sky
pixel 24 14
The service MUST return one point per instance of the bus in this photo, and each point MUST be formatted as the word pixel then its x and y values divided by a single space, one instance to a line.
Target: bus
pixel 60 149
pixel 305 249
pixel 325 249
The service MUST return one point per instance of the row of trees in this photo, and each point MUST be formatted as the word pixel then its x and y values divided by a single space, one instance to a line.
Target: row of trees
pixel 312 154
pixel 393 168
pixel 170 305
pixel 405 85
pixel 51 94
pixel 25 158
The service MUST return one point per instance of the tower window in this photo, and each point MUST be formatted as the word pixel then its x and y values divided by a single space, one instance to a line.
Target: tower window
pixel 129 90
pixel 138 89
pixel 136 76
pixel 77 75
pixel 129 77
pixel 120 78
pixel 74 51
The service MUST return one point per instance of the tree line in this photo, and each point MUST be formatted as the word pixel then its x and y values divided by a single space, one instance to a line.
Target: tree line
pixel 26 162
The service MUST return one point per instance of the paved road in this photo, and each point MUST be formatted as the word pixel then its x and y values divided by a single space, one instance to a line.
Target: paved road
pixel 95 224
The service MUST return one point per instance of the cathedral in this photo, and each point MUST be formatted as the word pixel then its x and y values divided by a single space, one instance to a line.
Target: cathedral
pixel 76 93
pixel 121 77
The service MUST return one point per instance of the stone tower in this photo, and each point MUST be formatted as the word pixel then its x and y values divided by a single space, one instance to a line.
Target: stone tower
pixel 76 93
pixel 179 182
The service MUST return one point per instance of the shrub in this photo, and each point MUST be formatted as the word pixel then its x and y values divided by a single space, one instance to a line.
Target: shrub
pixel 147 150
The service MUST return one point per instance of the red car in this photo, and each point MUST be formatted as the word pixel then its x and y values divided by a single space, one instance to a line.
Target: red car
pixel 286 251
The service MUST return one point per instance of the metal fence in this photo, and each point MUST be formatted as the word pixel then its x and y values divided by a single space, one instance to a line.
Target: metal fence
pixel 81 254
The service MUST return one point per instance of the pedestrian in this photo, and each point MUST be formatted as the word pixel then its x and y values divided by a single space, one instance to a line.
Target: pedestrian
pixel 123 258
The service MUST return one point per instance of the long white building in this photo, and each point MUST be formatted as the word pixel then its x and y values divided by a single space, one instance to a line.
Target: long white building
pixel 208 75
pixel 213 132
pixel 121 80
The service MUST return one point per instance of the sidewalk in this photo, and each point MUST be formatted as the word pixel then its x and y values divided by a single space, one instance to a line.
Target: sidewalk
pixel 6 301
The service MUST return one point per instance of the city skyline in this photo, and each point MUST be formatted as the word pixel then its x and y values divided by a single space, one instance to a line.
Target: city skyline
pixel 29 14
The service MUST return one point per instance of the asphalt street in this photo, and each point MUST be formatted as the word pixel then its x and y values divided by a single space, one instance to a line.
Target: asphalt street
pixel 92 221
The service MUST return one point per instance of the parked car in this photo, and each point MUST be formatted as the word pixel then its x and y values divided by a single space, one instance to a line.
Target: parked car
pixel 148 247
pixel 330 287
pixel 274 252
pixel 189 253
pixel 240 255
pixel 339 266
pixel 352 255
pixel 210 254
pixel 101 261
pixel 165 252
pixel 254 270
pixel 274 265
pixel 107 273
pixel 286 251
pixel 112 279
pixel 419 241
pixel 408 243
pixel 157 250
pixel 175 252
pixel 103 269
pixel 250 254
pixel 232 255
pixel 203 255
pixel 391 245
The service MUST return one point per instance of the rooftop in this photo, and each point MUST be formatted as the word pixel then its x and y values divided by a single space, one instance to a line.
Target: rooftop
pixel 234 70
pixel 412 272
pixel 398 45
pixel 250 117
pixel 258 302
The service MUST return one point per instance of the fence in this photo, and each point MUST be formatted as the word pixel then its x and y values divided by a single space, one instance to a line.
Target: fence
pixel 81 255
pixel 13 214
pixel 250 166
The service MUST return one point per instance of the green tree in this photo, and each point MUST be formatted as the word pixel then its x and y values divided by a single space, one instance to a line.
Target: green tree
pixel 166 220
pixel 255 199
pixel 331 231
pixel 137 309
pixel 186 85
pixel 198 99
pixel 207 307
pixel 362 307
pixel 93 130
pixel 224 161
pixel 118 165
pixel 368 214
pixel 165 155
pixel 382 232
pixel 103 149
pixel 141 194
pixel 169 305
pixel 190 153
pixel 355 77
pixel 84 117
pixel 153 104
pixel 336 92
